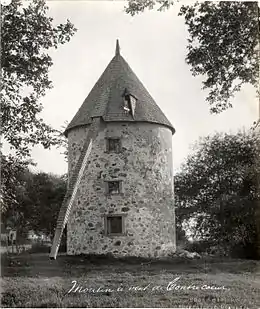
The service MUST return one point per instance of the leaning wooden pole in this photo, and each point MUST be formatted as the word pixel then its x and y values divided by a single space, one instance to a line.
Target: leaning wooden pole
pixel 73 186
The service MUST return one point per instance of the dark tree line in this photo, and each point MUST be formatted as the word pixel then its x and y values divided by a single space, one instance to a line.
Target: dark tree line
pixel 218 187
pixel 38 200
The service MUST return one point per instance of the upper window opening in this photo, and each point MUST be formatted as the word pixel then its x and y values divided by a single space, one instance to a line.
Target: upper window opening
pixel 113 144
pixel 129 103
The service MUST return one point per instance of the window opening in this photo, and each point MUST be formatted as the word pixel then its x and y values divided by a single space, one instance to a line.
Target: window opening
pixel 113 144
pixel 114 225
pixel 113 187
pixel 129 103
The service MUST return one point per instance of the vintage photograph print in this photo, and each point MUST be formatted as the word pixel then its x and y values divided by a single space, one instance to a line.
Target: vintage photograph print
pixel 130 166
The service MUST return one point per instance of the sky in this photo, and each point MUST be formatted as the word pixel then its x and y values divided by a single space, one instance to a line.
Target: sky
pixel 154 45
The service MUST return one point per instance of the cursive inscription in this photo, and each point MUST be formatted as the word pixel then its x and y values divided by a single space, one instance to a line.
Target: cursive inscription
pixel 172 286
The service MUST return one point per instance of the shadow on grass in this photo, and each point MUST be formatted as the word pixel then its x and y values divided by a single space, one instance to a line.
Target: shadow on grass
pixel 39 265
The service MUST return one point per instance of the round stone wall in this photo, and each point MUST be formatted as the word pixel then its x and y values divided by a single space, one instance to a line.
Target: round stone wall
pixel 143 166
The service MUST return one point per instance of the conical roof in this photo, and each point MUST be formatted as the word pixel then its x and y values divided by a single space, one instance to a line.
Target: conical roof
pixel 106 98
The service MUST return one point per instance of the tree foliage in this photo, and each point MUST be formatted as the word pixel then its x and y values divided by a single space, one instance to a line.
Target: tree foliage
pixel 223 44
pixel 218 187
pixel 136 6
pixel 11 169
pixel 27 34
pixel 45 194
pixel 38 201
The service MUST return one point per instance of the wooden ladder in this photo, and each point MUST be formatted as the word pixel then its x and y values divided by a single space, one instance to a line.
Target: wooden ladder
pixel 73 186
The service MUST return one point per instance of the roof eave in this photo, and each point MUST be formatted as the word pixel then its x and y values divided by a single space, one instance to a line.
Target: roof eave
pixel 133 121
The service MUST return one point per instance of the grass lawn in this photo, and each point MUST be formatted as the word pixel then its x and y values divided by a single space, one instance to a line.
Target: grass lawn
pixel 35 281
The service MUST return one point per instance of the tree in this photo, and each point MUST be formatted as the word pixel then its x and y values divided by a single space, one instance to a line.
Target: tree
pixel 223 44
pixel 27 35
pixel 217 187
pixel 11 168
pixel 39 198
pixel 45 194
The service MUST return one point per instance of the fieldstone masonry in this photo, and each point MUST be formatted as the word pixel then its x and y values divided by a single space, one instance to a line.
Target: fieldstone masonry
pixel 144 165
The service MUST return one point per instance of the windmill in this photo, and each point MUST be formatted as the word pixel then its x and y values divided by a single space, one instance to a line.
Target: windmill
pixel 120 192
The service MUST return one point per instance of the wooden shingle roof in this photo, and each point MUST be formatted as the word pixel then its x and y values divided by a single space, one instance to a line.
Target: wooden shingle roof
pixel 106 98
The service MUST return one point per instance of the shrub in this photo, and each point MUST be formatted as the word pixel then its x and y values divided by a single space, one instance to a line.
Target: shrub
pixel 40 248
pixel 198 246
pixel 244 251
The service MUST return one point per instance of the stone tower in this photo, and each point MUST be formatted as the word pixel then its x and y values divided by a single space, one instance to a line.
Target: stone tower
pixel 124 203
